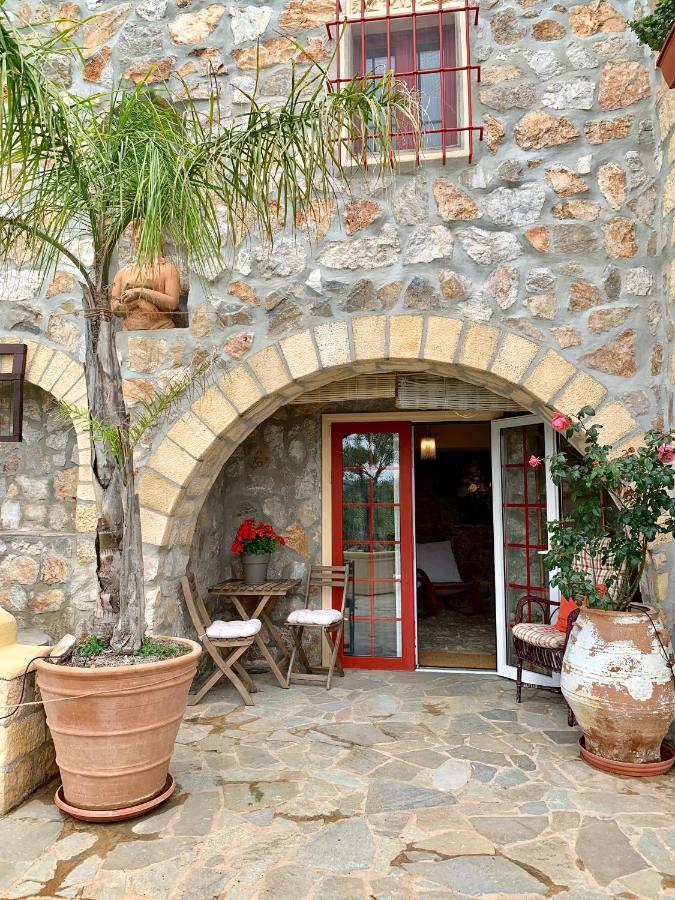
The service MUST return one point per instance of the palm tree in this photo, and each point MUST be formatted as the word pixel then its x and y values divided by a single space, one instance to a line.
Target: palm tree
pixel 78 171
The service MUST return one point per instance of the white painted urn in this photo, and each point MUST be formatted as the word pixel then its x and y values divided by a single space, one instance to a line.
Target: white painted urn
pixel 617 680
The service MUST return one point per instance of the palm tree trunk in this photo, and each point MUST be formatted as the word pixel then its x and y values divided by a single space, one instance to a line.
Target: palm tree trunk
pixel 128 633
pixel 119 559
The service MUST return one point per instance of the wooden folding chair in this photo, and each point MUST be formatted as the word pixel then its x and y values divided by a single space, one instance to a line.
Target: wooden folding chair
pixel 330 621
pixel 218 637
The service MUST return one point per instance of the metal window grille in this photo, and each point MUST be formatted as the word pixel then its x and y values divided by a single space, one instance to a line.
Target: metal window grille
pixel 12 371
pixel 427 45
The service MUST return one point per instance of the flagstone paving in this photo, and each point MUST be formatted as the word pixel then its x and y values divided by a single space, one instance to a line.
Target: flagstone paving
pixel 390 786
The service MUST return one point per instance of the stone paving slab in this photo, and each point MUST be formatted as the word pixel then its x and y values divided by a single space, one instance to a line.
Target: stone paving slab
pixel 404 786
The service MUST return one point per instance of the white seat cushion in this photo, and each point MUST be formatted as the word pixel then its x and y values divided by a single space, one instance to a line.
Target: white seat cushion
pixel 237 628
pixel 314 617
pixel 437 561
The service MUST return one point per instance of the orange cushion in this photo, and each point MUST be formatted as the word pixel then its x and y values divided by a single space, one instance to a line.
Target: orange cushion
pixel 567 606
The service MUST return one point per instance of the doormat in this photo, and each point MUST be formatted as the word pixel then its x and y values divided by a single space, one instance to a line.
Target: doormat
pixel 456 659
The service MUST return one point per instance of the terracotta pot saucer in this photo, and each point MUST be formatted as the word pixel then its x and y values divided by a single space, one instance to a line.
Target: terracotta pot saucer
pixel 102 816
pixel 616 767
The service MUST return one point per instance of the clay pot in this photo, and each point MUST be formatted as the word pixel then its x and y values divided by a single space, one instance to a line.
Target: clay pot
pixel 666 59
pixel 618 684
pixel 115 741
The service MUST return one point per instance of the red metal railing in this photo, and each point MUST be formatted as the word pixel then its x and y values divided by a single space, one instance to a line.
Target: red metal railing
pixel 401 49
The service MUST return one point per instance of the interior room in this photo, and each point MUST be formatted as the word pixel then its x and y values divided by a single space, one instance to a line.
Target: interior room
pixel 454 546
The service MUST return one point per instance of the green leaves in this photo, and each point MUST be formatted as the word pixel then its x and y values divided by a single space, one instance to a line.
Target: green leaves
pixel 653 29
pixel 617 505
pixel 85 168
pixel 119 440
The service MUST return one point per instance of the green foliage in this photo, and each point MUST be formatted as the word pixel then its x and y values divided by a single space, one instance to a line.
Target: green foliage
pixel 89 646
pixel 260 546
pixel 121 439
pixel 161 649
pixel 639 483
pixel 92 645
pixel 653 29
pixel 87 167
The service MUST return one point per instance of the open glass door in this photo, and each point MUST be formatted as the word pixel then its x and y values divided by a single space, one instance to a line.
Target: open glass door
pixel 371 473
pixel 524 499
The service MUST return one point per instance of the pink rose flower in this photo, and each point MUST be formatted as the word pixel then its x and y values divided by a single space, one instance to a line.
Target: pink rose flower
pixel 665 453
pixel 560 422
pixel 534 461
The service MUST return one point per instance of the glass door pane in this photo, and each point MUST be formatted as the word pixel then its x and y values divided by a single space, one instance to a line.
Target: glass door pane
pixel 526 502
pixel 371 490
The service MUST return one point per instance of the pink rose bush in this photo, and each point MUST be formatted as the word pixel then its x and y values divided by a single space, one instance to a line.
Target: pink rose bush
pixel 618 505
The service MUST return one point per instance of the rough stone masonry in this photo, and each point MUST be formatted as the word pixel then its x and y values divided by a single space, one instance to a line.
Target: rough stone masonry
pixel 555 241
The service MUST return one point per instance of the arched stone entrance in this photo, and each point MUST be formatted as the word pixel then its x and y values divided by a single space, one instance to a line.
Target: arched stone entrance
pixel 60 375
pixel 181 470
pixel 49 554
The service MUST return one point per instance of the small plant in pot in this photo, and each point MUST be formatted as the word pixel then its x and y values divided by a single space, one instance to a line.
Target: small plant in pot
pixel 617 674
pixel 77 173
pixel 256 542
pixel 657 31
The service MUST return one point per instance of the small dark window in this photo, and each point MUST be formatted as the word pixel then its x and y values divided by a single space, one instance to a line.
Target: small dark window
pixel 12 371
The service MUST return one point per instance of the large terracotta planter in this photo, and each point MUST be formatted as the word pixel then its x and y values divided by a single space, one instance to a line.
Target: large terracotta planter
pixel 666 59
pixel 617 682
pixel 115 741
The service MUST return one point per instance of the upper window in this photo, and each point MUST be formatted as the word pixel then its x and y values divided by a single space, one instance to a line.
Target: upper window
pixel 425 43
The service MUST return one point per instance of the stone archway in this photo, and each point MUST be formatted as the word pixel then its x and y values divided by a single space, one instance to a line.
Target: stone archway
pixel 60 375
pixel 179 473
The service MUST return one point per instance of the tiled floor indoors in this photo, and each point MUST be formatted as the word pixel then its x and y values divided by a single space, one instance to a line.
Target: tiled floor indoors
pixel 392 785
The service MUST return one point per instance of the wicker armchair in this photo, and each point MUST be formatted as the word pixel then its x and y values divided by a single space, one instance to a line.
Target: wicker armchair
pixel 539 643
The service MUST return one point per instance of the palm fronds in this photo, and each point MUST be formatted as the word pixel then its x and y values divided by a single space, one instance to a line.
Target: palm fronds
pixel 83 168
pixel 120 439
pixel 294 153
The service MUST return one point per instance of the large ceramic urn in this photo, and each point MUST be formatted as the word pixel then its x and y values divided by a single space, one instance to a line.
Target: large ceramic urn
pixel 616 679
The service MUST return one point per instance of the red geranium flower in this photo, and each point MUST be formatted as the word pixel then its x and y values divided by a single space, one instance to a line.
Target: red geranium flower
pixel 256 537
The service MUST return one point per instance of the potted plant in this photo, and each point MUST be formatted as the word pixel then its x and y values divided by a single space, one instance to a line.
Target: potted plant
pixel 256 542
pixel 77 172
pixel 657 30
pixel 617 672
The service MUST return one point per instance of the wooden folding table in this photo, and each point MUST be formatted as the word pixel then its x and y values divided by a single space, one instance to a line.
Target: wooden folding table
pixel 256 601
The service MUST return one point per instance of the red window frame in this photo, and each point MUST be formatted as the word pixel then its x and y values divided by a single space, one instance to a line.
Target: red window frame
pixel 421 20
pixel 406 543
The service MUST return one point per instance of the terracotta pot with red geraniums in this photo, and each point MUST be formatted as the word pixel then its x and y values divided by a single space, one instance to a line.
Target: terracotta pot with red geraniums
pixel 657 30
pixel 618 674
pixel 256 542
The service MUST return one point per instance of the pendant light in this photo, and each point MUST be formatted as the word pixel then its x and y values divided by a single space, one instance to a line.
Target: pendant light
pixel 428 446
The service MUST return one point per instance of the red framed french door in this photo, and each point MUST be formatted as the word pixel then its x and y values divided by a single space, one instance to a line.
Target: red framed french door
pixel 372 528
pixel 524 500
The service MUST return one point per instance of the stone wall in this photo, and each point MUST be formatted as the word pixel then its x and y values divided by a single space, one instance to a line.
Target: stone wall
pixel 662 572
pixel 552 230
pixel 552 236
pixel 27 757
pixel 41 576
pixel 274 475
